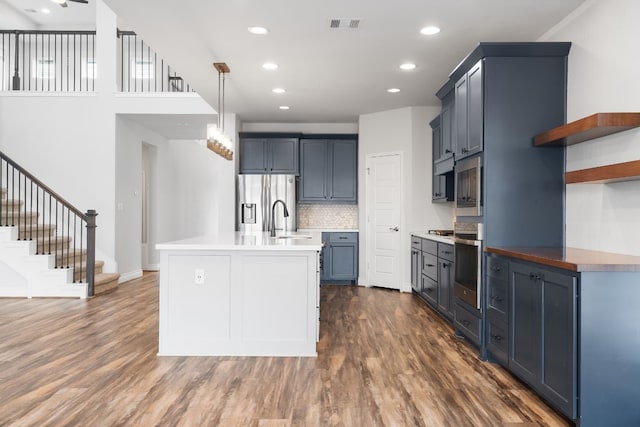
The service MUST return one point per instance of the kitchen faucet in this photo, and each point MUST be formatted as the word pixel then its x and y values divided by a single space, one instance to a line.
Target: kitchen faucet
pixel 273 215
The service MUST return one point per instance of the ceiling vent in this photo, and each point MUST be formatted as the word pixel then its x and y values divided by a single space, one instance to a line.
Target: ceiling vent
pixel 344 24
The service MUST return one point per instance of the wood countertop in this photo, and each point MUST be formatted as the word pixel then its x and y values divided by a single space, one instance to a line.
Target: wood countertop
pixel 572 259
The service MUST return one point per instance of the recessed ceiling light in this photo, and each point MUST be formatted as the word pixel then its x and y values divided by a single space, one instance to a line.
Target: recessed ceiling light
pixel 429 31
pixel 45 11
pixel 284 107
pixel 59 1
pixel 278 90
pixel 258 30
pixel 270 66
pixel 407 66
pixel 393 90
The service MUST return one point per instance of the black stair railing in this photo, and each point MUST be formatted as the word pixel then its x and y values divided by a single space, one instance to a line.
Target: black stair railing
pixel 48 61
pixel 59 228
pixel 141 70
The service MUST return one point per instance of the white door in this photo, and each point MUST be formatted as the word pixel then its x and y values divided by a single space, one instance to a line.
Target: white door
pixel 384 207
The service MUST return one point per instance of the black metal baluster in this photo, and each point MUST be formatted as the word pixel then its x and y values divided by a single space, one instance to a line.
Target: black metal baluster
pixel 35 212
pixel 13 195
pixel 162 75
pixel 135 59
pixel 93 61
pixel 50 220
pixel 75 229
pixel 148 69
pixel 65 239
pixel 128 64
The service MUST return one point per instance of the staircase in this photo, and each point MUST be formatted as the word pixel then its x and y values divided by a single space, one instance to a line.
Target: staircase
pixel 45 264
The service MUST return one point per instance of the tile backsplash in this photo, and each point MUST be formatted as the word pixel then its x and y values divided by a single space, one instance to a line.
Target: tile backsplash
pixel 327 216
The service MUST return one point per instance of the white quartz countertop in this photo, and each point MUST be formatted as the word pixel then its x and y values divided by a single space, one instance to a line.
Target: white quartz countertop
pixel 434 237
pixel 247 241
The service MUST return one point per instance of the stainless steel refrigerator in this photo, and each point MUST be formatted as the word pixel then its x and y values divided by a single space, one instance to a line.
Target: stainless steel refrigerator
pixel 256 195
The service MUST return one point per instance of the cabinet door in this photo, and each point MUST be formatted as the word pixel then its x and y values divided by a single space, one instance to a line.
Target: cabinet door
pixel 313 170
pixel 475 110
pixel 253 152
pixel 524 339
pixel 343 261
pixel 436 138
pixel 460 117
pixel 343 165
pixel 430 290
pixel 416 265
pixel 446 124
pixel 283 155
pixel 445 287
pixel 559 357
pixel 439 188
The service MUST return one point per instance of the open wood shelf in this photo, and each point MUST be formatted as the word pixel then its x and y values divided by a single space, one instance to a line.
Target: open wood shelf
pixel 590 127
pixel 627 171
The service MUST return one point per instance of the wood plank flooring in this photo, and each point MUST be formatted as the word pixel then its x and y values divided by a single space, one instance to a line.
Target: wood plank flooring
pixel 384 359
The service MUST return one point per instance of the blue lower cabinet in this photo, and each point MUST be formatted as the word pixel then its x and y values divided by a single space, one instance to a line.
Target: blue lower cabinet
pixel 339 257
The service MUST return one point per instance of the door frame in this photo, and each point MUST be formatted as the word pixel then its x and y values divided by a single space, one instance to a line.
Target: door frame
pixel 403 259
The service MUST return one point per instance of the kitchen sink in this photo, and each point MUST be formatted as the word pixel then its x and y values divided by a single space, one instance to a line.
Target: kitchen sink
pixel 294 236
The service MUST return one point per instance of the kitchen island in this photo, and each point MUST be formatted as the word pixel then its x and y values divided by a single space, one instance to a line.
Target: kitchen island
pixel 237 294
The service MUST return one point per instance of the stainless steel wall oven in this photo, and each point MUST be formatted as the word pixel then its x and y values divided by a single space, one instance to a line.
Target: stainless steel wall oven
pixel 468 262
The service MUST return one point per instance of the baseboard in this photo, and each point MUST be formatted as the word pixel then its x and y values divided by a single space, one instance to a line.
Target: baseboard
pixel 151 267
pixel 125 277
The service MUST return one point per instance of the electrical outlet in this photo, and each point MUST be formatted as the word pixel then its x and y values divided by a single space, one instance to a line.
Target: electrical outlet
pixel 199 276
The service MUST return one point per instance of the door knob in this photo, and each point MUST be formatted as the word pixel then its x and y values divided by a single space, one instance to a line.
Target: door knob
pixel 393 228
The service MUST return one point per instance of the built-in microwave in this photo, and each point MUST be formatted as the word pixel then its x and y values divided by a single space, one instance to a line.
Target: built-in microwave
pixel 468 187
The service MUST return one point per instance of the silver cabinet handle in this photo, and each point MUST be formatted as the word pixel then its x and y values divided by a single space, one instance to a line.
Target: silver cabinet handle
pixel 394 228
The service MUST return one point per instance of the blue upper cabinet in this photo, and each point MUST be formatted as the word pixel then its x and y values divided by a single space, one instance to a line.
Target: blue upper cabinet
pixel 328 170
pixel 262 153
pixel 469 112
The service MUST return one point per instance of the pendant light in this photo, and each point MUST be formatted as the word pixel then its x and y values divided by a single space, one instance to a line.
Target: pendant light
pixel 217 140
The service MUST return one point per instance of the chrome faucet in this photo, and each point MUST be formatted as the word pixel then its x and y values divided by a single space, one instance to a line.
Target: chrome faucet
pixel 273 215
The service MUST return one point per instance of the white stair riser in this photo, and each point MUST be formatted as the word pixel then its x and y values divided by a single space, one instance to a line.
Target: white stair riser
pixel 8 233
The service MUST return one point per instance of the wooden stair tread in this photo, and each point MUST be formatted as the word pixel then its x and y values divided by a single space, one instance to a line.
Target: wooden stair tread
pixel 102 278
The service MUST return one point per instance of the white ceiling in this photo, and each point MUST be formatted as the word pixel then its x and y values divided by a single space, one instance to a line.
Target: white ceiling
pixel 330 75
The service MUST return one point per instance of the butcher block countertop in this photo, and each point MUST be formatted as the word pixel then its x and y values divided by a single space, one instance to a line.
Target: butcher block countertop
pixel 572 259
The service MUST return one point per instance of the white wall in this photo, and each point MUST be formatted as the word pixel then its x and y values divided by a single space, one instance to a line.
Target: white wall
pixel 11 19
pixel 55 138
pixel 301 127
pixel 603 68
pixel 404 130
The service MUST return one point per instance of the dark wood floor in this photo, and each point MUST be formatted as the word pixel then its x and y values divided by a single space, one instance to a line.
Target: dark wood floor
pixel 383 359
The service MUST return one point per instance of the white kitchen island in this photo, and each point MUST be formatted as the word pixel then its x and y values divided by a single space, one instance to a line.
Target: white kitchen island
pixel 235 294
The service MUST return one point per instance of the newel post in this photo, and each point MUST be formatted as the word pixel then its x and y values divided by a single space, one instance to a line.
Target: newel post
pixel 91 249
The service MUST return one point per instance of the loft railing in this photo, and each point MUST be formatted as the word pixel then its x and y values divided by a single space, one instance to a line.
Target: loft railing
pixel 48 61
pixel 41 214
pixel 65 61
pixel 141 70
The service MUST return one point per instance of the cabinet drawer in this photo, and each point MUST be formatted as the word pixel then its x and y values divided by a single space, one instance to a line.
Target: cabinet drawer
pixel 467 323
pixel 430 266
pixel 445 251
pixel 497 298
pixel 430 246
pixel 416 243
pixel 498 341
pixel 343 237
pixel 430 290
pixel 497 267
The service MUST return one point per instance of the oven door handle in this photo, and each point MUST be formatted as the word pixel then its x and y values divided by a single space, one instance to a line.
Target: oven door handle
pixel 467 242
